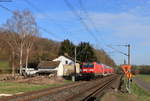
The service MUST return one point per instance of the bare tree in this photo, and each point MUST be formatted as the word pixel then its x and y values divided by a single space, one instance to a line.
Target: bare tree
pixel 9 39
pixel 28 46
pixel 24 26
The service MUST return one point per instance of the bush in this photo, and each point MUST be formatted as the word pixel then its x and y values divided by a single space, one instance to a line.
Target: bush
pixel 144 70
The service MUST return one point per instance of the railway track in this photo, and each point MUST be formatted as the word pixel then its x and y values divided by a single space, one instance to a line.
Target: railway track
pixel 92 93
pixel 79 91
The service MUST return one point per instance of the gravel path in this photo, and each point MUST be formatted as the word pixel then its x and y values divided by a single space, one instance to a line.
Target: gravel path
pixel 142 84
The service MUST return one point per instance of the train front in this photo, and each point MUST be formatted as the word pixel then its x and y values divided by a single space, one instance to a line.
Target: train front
pixel 87 70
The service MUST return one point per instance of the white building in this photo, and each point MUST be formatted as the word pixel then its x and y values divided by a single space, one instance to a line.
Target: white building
pixel 65 60
pixel 68 65
pixel 51 67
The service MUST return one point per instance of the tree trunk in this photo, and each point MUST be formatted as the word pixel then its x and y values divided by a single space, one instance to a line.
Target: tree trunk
pixel 27 58
pixel 21 54
pixel 13 63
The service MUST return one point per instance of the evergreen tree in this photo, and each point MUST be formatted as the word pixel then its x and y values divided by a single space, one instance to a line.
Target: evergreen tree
pixel 85 52
pixel 67 47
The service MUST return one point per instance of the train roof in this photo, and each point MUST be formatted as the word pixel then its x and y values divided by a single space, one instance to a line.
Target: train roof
pixel 97 63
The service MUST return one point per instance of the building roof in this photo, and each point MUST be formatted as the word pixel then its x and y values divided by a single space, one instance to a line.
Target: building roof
pixel 71 58
pixel 48 64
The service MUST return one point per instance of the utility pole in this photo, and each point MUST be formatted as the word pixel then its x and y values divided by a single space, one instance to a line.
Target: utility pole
pixel 75 59
pixel 128 54
pixel 128 84
pixel 129 80
pixel 125 62
pixel 129 60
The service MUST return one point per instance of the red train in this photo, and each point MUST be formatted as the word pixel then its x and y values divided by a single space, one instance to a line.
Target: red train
pixel 96 69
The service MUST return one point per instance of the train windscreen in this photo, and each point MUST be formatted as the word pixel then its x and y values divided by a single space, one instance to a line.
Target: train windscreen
pixel 88 65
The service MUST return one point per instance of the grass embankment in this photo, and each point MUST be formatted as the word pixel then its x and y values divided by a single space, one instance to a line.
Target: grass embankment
pixel 4 67
pixel 12 87
pixel 145 77
pixel 140 93
pixel 115 96
pixel 4 64
pixel 137 94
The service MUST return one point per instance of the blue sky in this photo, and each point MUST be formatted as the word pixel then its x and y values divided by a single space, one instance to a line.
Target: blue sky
pixel 117 22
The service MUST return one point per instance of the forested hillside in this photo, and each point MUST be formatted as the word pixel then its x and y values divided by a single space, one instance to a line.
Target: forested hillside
pixel 45 49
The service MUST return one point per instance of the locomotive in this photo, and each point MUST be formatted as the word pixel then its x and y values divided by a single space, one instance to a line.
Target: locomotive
pixel 94 69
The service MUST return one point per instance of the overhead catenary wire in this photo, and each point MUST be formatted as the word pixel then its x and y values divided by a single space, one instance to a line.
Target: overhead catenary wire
pixel 49 32
pixel 86 13
pixel 86 26
pixel 117 50
pixel 45 30
pixel 83 22
pixel 91 22
pixel 80 19
pixel 39 10
pixel 95 28
pixel 97 31
pixel 46 15
pixel 7 9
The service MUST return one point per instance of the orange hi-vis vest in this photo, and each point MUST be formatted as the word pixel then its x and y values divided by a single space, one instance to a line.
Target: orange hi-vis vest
pixel 127 70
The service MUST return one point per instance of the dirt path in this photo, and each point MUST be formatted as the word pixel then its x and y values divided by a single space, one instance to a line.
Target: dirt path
pixel 141 83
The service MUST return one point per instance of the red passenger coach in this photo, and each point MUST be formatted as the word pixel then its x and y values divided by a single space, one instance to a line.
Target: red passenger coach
pixel 92 69
pixel 95 69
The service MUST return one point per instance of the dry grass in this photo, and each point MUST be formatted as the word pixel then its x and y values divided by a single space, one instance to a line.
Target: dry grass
pixel 146 78
pixel 17 86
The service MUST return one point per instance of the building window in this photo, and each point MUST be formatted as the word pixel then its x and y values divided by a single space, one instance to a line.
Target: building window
pixel 66 62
